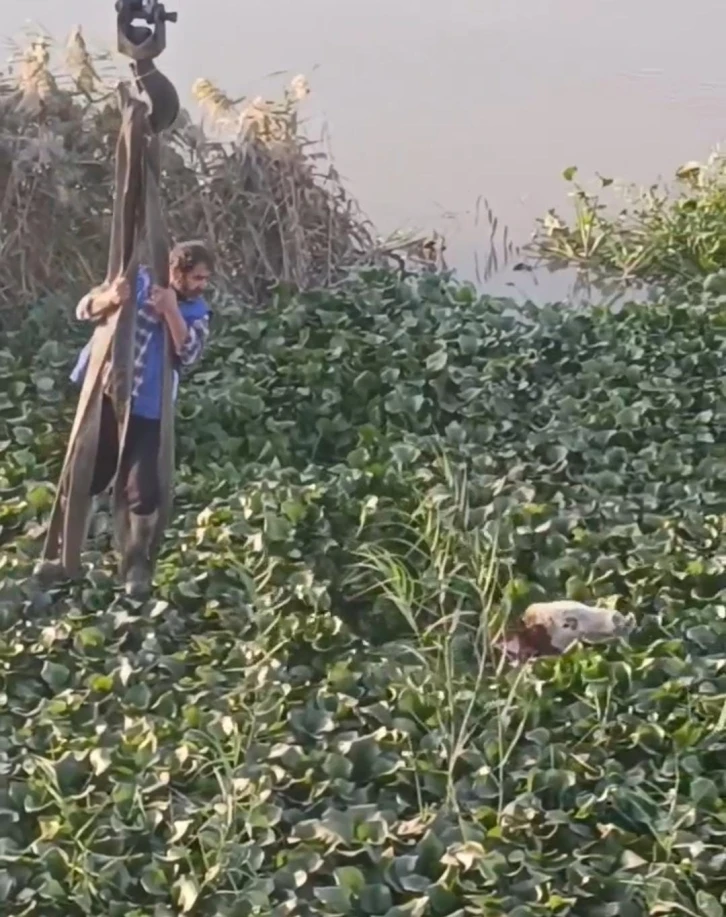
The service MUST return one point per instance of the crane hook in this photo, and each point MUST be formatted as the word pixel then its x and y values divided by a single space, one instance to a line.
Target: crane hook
pixel 143 43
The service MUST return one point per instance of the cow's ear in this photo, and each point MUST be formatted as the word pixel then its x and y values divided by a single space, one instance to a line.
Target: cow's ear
pixel 537 638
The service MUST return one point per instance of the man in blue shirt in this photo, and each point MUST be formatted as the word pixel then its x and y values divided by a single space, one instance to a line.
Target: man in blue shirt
pixel 185 313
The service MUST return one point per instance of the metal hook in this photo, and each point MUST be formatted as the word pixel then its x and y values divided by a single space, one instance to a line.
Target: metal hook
pixel 142 42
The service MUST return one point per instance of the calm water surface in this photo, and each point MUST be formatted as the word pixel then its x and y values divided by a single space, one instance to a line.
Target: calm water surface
pixel 432 105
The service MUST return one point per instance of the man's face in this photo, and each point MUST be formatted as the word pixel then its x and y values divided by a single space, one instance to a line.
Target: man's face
pixel 193 282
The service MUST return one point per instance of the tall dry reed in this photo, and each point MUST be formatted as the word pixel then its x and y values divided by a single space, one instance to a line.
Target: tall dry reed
pixel 248 180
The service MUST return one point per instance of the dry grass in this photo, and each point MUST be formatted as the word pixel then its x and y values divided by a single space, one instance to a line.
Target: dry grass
pixel 247 180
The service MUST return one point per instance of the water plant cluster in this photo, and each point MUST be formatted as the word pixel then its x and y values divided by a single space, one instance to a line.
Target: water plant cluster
pixel 310 716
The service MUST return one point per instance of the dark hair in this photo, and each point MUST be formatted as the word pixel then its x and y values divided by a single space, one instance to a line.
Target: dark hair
pixel 185 256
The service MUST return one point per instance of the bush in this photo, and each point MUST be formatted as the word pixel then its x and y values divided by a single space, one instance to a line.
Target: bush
pixel 309 717
pixel 653 236
pixel 265 197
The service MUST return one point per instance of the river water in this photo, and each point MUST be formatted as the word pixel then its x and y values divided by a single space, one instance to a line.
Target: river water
pixel 432 106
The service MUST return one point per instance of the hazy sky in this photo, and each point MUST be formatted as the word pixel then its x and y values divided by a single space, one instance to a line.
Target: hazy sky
pixel 430 105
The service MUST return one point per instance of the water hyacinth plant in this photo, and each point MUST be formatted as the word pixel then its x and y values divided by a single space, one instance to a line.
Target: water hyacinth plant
pixel 311 717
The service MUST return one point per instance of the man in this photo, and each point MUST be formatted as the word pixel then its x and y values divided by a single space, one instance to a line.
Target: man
pixel 185 313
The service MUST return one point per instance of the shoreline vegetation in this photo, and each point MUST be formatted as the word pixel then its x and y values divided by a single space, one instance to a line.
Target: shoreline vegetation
pixel 379 469
pixel 245 177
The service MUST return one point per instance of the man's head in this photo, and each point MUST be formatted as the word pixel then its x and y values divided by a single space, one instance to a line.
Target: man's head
pixel 191 265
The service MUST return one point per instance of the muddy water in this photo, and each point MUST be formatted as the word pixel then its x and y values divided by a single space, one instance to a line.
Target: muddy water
pixel 431 106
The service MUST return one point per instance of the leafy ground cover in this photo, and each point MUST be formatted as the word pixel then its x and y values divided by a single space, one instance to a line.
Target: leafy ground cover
pixel 309 717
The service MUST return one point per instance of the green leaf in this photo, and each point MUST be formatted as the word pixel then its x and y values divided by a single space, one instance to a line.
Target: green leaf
pixel 455 433
pixel 101 683
pixel 468 344
pixel 358 458
pixel 276 527
pixel 7 884
pixel 704 790
pixel 40 497
pixel 375 899
pixel 437 361
pixel 338 767
pixel 23 435
pixel 295 510
pixel 350 879
pixel 701 634
pixel 138 696
pixel 154 881
pixel 404 453
pixel 708 905
pixel 716 282
pixel 336 900
pixel 90 637
pixel 55 675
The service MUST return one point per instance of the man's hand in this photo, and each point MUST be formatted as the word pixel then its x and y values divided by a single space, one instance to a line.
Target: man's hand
pixel 165 304
pixel 118 292
pixel 100 303
pixel 163 301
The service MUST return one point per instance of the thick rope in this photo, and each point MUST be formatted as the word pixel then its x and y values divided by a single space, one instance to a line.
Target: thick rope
pixel 137 212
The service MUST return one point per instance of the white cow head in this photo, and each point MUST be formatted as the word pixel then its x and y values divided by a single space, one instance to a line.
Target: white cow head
pixel 567 621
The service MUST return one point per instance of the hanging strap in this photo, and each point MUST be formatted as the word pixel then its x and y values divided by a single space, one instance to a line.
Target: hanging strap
pixel 137 212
